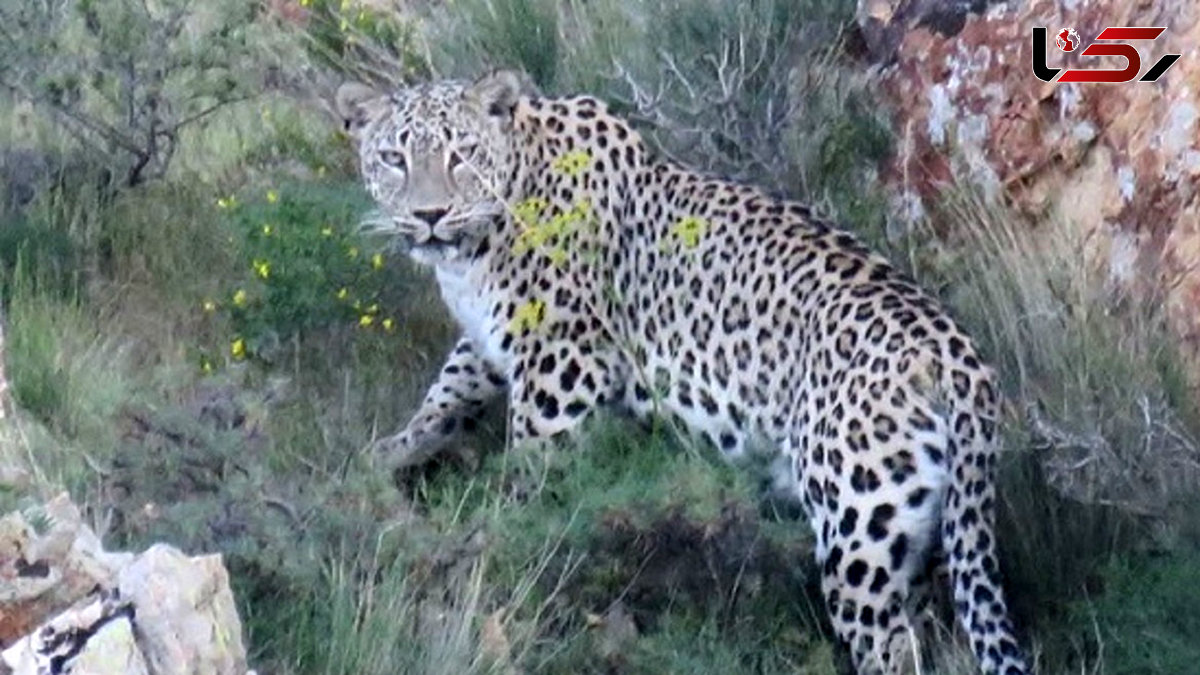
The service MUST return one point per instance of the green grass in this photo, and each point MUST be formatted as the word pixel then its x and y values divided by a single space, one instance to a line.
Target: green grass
pixel 1157 633
pixel 547 541
pixel 67 374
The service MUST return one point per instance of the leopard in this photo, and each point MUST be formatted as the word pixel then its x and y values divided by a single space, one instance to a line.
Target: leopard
pixel 587 270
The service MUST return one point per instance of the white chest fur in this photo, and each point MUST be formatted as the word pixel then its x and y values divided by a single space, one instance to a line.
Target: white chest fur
pixel 464 290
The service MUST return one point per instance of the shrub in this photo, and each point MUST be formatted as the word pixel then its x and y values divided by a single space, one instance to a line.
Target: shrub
pixel 720 84
pixel 124 77
pixel 361 41
pixel 304 269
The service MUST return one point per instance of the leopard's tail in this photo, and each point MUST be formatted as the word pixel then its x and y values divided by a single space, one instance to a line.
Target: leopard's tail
pixel 968 525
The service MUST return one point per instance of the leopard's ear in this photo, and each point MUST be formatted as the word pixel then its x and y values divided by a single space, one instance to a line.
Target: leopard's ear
pixel 496 94
pixel 359 105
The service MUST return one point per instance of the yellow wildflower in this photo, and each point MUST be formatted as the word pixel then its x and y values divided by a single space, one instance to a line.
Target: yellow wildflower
pixel 210 306
pixel 327 231
pixel 366 320
pixel 343 293
pixel 377 261
pixel 373 309
pixel 239 298
pixel 529 211
pixel 528 316
pixel 352 252
pixel 305 3
pixel 267 230
pixel 558 230
pixel 389 325
pixel 272 196
pixel 206 366
pixel 689 230
pixel 229 202
pixel 262 268
pixel 557 226
pixel 572 163
pixel 531 238
pixel 582 210
pixel 238 348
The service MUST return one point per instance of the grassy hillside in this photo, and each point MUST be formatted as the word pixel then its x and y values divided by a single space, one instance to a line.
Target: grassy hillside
pixel 201 354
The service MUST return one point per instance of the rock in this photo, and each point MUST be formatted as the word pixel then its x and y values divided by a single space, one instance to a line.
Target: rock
pixel 13 477
pixel 884 23
pixel 23 173
pixel 26 173
pixel 614 635
pixel 112 650
pixel 66 601
pixel 186 618
pixel 43 574
pixel 95 638
pixel 494 644
pixel 1119 161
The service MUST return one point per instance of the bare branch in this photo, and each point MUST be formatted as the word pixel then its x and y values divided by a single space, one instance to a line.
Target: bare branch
pixel 127 101
pixel 196 117
pixel 105 130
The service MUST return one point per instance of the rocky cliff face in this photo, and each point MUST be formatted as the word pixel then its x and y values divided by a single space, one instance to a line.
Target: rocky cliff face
pixel 1119 161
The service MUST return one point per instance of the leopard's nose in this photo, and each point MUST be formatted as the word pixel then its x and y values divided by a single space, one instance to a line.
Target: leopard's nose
pixel 431 216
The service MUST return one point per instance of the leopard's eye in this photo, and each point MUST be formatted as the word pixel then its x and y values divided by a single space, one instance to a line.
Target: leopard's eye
pixel 392 158
pixel 459 155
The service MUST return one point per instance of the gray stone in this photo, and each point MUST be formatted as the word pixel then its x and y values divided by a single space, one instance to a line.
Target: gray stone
pixel 187 622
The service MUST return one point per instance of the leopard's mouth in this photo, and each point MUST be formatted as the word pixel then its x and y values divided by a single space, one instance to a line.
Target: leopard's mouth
pixel 434 241
pixel 435 249
pixel 448 235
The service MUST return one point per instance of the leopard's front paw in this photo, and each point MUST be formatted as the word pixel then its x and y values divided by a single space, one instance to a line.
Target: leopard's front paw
pixel 413 446
pixel 397 451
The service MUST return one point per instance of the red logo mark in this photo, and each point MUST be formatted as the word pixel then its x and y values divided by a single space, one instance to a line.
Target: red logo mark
pixel 1067 39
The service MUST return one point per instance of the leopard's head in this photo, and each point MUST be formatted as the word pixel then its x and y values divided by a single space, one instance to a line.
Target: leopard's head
pixel 435 157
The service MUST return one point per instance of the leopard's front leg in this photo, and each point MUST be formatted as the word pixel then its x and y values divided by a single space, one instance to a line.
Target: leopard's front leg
pixel 464 386
pixel 556 384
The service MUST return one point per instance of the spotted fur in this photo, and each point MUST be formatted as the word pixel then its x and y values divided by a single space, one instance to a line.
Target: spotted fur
pixel 744 316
